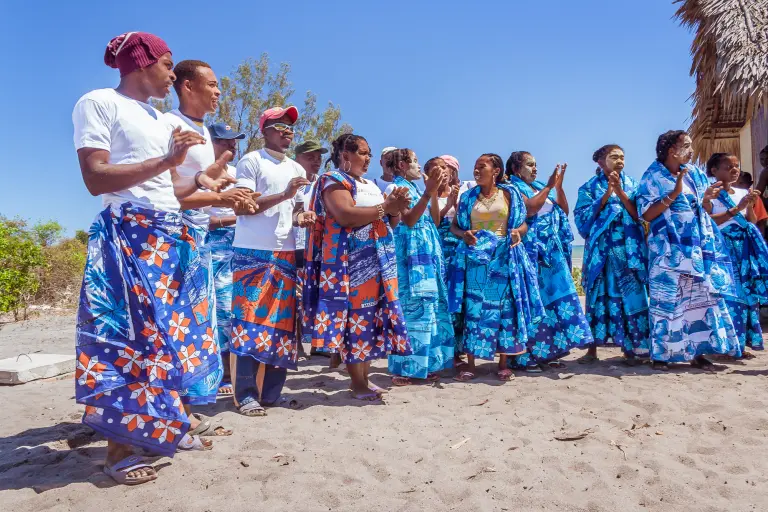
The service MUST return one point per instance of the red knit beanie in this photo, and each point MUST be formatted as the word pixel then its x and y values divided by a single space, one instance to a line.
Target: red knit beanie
pixel 134 50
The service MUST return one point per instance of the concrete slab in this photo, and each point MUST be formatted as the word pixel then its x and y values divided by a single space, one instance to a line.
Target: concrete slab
pixel 29 367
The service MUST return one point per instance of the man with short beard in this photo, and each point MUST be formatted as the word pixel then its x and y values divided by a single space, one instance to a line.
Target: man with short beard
pixel 264 266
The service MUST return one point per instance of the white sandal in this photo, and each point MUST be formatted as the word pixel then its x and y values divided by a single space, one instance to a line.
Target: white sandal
pixel 192 443
pixel 119 472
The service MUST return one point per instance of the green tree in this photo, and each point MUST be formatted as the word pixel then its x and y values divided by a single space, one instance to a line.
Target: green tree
pixel 21 258
pixel 47 233
pixel 255 87
pixel 163 105
pixel 81 236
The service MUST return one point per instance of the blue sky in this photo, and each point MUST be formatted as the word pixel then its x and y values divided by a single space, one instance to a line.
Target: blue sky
pixel 557 78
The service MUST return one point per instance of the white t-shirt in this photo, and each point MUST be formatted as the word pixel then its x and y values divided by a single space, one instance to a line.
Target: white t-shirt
pixel 368 193
pixel 223 211
pixel 132 132
pixel 442 201
pixel 547 207
pixel 304 195
pixel 272 229
pixel 719 206
pixel 381 184
pixel 199 157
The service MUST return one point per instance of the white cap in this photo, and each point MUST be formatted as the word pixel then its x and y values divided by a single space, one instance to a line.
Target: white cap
pixel 388 149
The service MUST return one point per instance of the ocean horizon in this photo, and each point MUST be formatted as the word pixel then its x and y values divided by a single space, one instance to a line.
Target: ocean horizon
pixel 578 256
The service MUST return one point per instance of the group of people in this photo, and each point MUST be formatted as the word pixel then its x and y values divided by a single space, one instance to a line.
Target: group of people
pixel 202 278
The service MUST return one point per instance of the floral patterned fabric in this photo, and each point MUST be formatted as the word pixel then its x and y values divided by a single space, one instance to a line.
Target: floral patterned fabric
pixel 614 274
pixel 549 244
pixel 264 306
pixel 350 297
pixel 204 391
pixel 143 327
pixel 749 256
pixel 493 285
pixel 690 272
pixel 423 297
pixel 219 242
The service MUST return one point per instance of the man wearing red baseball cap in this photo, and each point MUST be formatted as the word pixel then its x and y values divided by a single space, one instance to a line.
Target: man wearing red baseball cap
pixel 264 266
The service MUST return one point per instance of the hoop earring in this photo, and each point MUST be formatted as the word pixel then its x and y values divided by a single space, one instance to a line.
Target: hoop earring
pixel 344 167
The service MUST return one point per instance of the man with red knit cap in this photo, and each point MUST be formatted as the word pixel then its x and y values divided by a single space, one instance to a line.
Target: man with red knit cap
pixel 264 266
pixel 143 332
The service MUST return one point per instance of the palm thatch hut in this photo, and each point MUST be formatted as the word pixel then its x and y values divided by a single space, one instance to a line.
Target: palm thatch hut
pixel 730 64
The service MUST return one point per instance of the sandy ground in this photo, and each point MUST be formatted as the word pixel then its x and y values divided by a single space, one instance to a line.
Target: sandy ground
pixel 682 441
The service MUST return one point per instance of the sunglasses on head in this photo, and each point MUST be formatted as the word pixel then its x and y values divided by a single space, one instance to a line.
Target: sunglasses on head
pixel 282 127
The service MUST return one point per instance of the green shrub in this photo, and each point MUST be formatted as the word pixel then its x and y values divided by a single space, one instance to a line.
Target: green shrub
pixel 576 273
pixel 62 274
pixel 21 258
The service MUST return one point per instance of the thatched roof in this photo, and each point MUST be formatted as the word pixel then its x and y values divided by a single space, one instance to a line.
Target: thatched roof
pixel 730 64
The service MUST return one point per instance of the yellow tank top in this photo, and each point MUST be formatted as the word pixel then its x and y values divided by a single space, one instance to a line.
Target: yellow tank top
pixel 491 216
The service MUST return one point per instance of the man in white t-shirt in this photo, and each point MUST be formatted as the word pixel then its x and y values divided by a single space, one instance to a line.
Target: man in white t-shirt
pixel 264 266
pixel 387 172
pixel 198 91
pixel 139 334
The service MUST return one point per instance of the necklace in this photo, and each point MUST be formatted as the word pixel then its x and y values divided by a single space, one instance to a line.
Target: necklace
pixel 488 201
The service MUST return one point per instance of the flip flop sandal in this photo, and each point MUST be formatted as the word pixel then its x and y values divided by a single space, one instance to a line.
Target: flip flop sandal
pixel 432 377
pixel 205 429
pixel 660 365
pixel 401 381
pixel 366 397
pixel 376 389
pixel 226 389
pixel 505 375
pixel 533 369
pixel 193 443
pixel 119 471
pixel 464 376
pixel 587 359
pixel 252 409
pixel 557 365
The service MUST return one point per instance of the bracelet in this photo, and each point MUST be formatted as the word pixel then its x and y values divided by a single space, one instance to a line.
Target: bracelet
pixel 665 203
pixel 380 208
pixel 197 180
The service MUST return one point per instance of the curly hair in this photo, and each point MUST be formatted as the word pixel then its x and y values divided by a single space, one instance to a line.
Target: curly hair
pixel 715 160
pixel 665 143
pixel 344 142
pixel 515 162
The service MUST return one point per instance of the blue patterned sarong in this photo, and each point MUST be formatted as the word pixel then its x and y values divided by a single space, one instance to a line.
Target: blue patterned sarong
pixel 548 243
pixel 423 297
pixel 143 327
pixel 749 256
pixel 493 285
pixel 690 272
pixel 219 242
pixel 614 272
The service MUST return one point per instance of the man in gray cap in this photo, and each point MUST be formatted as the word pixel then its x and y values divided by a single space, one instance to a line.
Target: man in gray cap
pixel 309 154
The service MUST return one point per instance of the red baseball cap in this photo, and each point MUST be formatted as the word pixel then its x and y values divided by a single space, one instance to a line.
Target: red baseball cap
pixel 277 113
